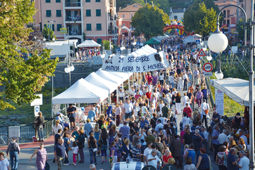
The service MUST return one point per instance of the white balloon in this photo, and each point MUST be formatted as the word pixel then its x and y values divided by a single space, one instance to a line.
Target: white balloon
pixel 218 42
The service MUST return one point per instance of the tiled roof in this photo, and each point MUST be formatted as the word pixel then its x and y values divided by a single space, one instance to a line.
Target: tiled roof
pixel 131 8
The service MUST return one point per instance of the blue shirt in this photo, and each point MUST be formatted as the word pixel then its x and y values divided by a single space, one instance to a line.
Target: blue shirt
pixel 230 159
pixel 124 130
pixel 60 119
pixel 192 154
pixel 109 110
pixel 216 116
pixel 87 128
pixel 196 141
pixel 91 115
pixel 71 110
pixel 204 164
pixel 159 126
pixel 142 124
pixel 215 133
pixel 204 91
pixel 60 150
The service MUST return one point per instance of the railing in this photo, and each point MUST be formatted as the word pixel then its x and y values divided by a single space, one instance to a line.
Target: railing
pixel 70 18
pixel 27 131
pixel 78 32
pixel 73 4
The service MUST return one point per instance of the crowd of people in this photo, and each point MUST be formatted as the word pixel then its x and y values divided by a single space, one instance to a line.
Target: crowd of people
pixel 141 125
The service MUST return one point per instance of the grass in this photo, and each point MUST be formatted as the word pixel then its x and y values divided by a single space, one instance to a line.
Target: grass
pixel 230 106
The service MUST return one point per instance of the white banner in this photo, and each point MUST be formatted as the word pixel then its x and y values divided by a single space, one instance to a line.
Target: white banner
pixel 219 100
pixel 132 63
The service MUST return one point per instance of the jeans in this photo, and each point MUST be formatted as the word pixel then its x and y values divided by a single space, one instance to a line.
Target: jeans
pixel 14 157
pixel 66 157
pixel 92 154
pixel 216 148
pixel 222 167
pixel 204 118
pixel 80 151
pixel 40 132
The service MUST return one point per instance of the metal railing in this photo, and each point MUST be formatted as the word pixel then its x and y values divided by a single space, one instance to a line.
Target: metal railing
pixel 70 18
pixel 73 4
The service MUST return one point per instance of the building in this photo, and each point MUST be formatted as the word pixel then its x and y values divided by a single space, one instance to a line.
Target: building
pixel 246 5
pixel 95 19
pixel 176 14
pixel 127 14
pixel 229 13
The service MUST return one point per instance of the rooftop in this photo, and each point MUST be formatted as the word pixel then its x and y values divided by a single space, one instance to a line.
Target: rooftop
pixel 131 8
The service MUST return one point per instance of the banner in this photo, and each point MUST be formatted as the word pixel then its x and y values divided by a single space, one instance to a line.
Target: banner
pixel 132 63
pixel 219 101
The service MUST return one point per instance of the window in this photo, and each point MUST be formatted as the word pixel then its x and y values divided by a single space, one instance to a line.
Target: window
pixel 176 17
pixel 123 15
pixel 228 13
pixel 58 13
pixel 228 22
pixel 98 12
pixel 59 26
pixel 47 1
pixel 87 0
pixel 48 13
pixel 88 27
pixel 52 27
pixel 88 13
pixel 224 22
pixel 58 1
pixel 99 27
pixel 99 41
pixel 224 13
pixel 97 0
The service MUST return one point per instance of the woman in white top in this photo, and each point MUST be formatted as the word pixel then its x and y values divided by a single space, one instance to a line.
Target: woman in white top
pixel 160 107
pixel 185 99
pixel 161 78
pixel 136 109
pixel 179 81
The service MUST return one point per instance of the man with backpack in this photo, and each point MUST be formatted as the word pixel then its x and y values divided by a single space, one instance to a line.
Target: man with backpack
pixel 14 149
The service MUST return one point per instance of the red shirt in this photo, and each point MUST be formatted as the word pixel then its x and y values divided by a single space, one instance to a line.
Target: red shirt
pixel 165 158
pixel 148 94
pixel 188 111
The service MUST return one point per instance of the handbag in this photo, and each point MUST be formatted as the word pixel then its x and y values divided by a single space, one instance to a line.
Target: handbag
pixel 47 166
pixel 207 110
pixel 95 149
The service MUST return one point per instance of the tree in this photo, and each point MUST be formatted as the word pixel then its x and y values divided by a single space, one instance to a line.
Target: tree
pixel 138 1
pixel 161 4
pixel 201 17
pixel 240 29
pixel 20 79
pixel 149 21
pixel 48 33
pixel 106 44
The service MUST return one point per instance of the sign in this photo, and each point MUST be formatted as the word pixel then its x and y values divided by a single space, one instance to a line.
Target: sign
pixel 219 101
pixel 14 131
pixel 201 53
pixel 197 41
pixel 207 74
pixel 63 30
pixel 207 67
pixel 38 101
pixel 36 110
pixel 135 63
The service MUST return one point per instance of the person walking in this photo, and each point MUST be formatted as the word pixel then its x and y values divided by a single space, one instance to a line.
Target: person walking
pixel 41 157
pixel 60 153
pixel 67 145
pixel 92 145
pixel 4 163
pixel 80 143
pixel 103 144
pixel 204 161
pixel 14 149
pixel 39 126
pixel 231 160
pixel 199 96
pixel 205 110
pixel 71 115
pixel 244 161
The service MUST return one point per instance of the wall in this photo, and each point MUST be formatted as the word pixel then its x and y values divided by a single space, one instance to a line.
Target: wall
pixel 61 78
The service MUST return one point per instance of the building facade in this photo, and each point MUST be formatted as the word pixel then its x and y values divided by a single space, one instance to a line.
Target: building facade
pixel 229 13
pixel 176 14
pixel 95 19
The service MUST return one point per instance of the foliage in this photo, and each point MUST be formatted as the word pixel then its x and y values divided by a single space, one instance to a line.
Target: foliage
pixel 138 1
pixel 143 19
pixel 48 33
pixel 240 29
pixel 201 17
pixel 84 36
pixel 106 44
pixel 179 4
pixel 162 4
pixel 20 79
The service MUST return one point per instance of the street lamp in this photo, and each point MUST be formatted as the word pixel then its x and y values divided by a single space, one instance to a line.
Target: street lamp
pixel 219 40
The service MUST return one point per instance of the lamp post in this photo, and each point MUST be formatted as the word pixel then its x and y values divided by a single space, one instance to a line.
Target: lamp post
pixel 218 42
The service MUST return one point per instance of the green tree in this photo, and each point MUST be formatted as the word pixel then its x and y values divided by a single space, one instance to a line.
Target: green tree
pixel 201 17
pixel 138 1
pixel 162 4
pixel 20 79
pixel 106 44
pixel 149 21
pixel 48 33
pixel 240 29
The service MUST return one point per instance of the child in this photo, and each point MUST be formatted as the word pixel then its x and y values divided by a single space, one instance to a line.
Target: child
pixel 75 152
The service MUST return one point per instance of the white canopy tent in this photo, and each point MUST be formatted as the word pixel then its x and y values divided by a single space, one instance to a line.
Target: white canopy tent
pixel 100 82
pixel 81 92
pixel 189 39
pixel 110 77
pixel 236 89
pixel 88 44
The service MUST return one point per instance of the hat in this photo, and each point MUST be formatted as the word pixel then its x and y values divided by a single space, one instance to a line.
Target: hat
pixel 242 151
pixel 58 113
pixel 143 117
pixel 238 114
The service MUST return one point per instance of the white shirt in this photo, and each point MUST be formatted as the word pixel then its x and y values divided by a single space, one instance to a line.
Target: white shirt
pixel 150 87
pixel 204 106
pixel 4 164
pixel 222 138
pixel 161 77
pixel 121 94
pixel 75 150
pixel 245 139
pixel 153 163
pixel 147 152
pixel 55 129
pixel 128 107
pixel 205 133
pixel 185 121
pixel 244 163
pixel 171 79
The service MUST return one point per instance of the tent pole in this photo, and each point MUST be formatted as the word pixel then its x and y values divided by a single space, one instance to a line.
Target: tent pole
pixel 100 109
pixel 117 92
pixel 65 110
